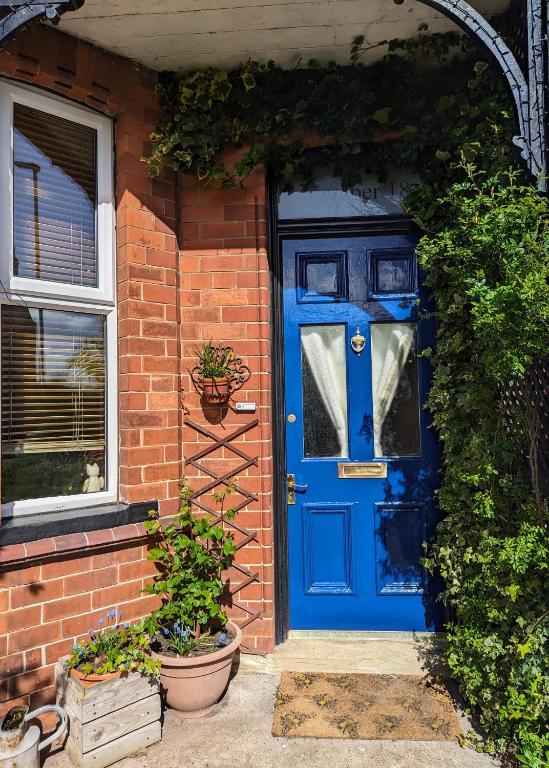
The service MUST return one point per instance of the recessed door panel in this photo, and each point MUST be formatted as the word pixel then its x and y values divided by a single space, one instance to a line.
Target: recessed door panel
pixel 400 529
pixel 327 550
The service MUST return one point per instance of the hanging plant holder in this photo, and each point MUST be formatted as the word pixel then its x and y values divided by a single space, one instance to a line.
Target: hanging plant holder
pixel 217 390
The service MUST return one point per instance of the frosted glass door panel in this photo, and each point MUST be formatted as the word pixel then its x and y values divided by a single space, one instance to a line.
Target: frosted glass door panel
pixel 324 380
pixel 395 389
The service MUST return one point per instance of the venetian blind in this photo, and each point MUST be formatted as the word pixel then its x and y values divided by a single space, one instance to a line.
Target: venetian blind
pixel 54 199
pixel 53 380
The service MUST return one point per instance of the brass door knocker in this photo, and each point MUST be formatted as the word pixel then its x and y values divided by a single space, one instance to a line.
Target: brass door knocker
pixel 358 341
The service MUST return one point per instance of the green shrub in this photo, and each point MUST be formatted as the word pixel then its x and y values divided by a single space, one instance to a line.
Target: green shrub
pixel 191 552
pixel 488 268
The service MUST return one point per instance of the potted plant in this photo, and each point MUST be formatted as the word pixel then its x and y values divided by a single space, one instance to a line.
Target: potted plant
pixel 193 640
pixel 113 649
pixel 216 367
pixel 110 690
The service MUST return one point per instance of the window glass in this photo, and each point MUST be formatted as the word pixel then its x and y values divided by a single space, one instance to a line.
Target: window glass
pixel 53 403
pixel 392 276
pixel 370 197
pixel 324 391
pixel 54 199
pixel 395 389
pixel 322 277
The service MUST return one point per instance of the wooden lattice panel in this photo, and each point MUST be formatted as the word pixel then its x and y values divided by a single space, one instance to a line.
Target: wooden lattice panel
pixel 528 400
pixel 220 445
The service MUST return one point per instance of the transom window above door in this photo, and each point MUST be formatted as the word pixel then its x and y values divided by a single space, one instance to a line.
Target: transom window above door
pixel 328 200
pixel 57 307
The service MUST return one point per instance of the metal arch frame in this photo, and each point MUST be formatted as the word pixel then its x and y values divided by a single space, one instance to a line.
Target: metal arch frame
pixel 24 11
pixel 529 95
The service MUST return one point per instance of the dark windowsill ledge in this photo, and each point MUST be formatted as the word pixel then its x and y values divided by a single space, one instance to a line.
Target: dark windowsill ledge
pixel 74 522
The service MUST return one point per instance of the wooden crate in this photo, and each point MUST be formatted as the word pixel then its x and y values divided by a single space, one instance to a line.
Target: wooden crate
pixel 109 720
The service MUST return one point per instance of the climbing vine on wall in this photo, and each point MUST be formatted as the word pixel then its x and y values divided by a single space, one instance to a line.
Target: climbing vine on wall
pixel 435 106
pixel 487 265
pixel 370 117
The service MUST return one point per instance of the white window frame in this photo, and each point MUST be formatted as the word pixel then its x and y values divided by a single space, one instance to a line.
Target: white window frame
pixel 104 292
pixel 52 295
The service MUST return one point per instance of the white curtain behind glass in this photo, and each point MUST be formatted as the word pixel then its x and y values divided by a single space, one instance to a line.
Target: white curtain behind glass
pixel 324 349
pixel 391 345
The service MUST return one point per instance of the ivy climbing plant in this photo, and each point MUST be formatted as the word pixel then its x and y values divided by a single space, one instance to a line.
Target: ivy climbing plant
pixel 435 106
pixel 487 265
pixel 369 117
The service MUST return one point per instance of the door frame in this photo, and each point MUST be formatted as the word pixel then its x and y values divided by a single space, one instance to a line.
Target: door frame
pixel 277 230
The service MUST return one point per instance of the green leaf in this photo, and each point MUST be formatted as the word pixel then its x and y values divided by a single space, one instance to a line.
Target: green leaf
pixel 442 155
pixel 382 115
pixel 156 553
pixel 249 80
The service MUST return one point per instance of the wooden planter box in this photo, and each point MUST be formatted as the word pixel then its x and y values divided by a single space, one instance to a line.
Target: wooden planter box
pixel 109 720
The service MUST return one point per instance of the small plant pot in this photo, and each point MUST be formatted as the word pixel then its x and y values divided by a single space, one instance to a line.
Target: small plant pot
pixel 91 679
pixel 216 390
pixel 194 685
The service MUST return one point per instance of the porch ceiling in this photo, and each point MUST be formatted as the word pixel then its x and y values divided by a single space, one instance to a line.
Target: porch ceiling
pixel 186 34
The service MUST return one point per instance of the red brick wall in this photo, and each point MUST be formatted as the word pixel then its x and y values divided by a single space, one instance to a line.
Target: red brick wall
pixel 47 606
pixel 225 297
pixel 52 591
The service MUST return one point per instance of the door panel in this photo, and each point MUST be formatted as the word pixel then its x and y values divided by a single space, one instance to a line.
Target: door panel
pixel 355 542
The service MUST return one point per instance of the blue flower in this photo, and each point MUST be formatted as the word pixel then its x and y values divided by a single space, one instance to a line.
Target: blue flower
pixel 126 625
pixel 166 632
pixel 111 614
pixel 223 639
pixel 76 647
pixel 101 620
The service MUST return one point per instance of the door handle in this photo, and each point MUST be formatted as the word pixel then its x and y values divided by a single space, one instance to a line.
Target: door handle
pixel 293 487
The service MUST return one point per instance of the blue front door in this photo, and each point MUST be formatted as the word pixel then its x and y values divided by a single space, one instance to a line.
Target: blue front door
pixel 361 460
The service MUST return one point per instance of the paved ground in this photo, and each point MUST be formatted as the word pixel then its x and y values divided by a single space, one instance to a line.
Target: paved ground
pixel 238 734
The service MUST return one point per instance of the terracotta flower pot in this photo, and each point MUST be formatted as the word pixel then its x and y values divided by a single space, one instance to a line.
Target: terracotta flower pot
pixel 92 678
pixel 216 390
pixel 193 685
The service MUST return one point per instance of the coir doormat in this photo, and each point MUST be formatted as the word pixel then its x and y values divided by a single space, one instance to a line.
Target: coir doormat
pixel 336 706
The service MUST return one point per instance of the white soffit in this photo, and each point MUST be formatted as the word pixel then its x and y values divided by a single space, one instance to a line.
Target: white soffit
pixel 189 34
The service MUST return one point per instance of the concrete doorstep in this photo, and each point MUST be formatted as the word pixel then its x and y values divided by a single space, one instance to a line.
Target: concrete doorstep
pixel 381 653
pixel 238 733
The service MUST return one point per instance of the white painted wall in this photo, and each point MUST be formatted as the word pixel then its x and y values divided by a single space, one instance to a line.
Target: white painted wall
pixel 186 34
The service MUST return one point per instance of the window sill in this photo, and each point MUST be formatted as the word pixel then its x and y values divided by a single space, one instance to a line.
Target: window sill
pixel 47 525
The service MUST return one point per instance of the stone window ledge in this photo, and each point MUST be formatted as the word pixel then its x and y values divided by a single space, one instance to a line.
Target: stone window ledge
pixel 46 534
